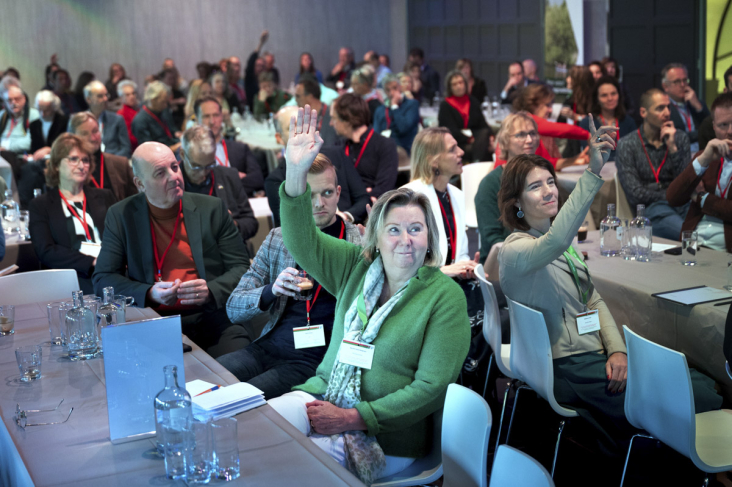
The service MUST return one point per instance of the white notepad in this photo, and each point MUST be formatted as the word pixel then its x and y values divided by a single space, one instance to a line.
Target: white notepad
pixel 225 401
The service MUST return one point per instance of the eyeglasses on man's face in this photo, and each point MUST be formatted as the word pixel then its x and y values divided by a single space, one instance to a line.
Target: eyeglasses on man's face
pixel 679 82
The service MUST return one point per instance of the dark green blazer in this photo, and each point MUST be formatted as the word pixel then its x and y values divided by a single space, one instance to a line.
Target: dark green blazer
pixel 126 260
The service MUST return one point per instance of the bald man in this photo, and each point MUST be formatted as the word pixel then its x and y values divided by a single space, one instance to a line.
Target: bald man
pixel 174 251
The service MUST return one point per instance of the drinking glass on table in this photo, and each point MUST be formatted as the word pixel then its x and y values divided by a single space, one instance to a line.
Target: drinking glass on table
pixel 200 464
pixel 627 249
pixel 226 449
pixel 305 283
pixel 582 233
pixel 689 247
pixel 7 320
pixel 122 303
pixel 29 362
pixel 55 325
pixel 23 225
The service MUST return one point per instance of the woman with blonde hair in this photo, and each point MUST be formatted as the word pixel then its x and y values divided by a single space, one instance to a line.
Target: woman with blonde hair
pixel 198 89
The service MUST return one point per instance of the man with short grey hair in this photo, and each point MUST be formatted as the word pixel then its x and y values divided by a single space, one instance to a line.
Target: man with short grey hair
pixel 112 127
pixel 154 123
pixel 687 111
pixel 127 92
pixel 50 125
pixel 203 176
pixel 177 252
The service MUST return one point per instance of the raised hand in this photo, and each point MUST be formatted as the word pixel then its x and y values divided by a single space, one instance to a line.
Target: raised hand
pixel 302 147
pixel 601 143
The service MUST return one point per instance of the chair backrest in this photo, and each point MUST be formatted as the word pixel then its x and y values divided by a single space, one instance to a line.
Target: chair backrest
pixel 658 394
pixel 466 427
pixel 32 287
pixel 492 320
pixel 491 262
pixel 472 175
pixel 622 207
pixel 517 469
pixel 531 353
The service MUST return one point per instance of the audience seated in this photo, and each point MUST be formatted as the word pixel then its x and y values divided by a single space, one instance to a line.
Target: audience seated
pixel 649 159
pixel 127 94
pixel 530 70
pixel 537 99
pixel 579 103
pixel 112 126
pixel 608 109
pixel 226 98
pixel 308 92
pixel 460 113
pixel 373 155
pixel 15 117
pixel 203 176
pixel 399 117
pixel 196 90
pixel 541 269
pixel 519 134
pixel 516 81
pixel 372 57
pixel 612 68
pixel 405 80
pixel 710 210
pixel 687 111
pixel 269 61
pixel 428 76
pixel 153 250
pixel 180 84
pixel 476 86
pixel 51 123
pixel 307 65
pixel 255 67
pixel 62 88
pixel 363 84
pixel 154 123
pixel 416 88
pixel 270 98
pixel 353 194
pixel 340 75
pixel 177 100
pixel 229 152
pixel 274 362
pixel 597 70
pixel 117 73
pixel 374 422
pixel 70 216
pixel 706 129
pixel 85 77
pixel 236 82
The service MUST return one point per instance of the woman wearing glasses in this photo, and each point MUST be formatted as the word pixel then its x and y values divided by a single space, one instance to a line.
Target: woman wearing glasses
pixel 67 222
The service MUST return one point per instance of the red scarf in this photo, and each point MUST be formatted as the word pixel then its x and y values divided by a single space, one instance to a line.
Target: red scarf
pixel 462 105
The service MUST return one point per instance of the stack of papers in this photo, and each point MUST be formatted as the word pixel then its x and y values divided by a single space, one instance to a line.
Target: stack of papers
pixel 223 402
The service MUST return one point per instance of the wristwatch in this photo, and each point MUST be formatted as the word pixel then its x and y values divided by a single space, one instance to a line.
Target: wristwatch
pixel 700 197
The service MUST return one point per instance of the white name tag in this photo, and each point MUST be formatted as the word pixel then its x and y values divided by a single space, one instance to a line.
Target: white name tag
pixel 588 322
pixel 309 336
pixel 91 249
pixel 467 132
pixel 386 133
pixel 355 353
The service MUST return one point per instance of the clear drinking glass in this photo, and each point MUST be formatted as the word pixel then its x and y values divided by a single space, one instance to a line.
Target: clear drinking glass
pixel 226 449
pixel 627 250
pixel 122 303
pixel 29 362
pixel 81 328
pixel 305 283
pixel 200 465
pixel 689 247
pixel 177 438
pixel 7 319
pixel 55 325
pixel 23 224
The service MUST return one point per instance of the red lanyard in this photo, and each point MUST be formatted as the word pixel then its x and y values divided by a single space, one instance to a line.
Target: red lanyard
pixel 321 115
pixel 617 131
pixel 654 171
pixel 360 154
pixel 213 181
pixel 72 210
pixel 723 192
pixel 158 261
pixel 160 122
pixel 100 184
pixel 388 120
pixel 687 117
pixel 452 236
pixel 226 154
pixel 311 302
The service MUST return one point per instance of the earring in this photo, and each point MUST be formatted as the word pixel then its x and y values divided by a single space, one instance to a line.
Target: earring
pixel 520 213
pixel 377 251
pixel 429 251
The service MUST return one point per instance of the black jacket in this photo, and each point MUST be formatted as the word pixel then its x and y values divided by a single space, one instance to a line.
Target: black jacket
pixel 243 160
pixel 58 127
pixel 451 119
pixel 228 187
pixel 379 164
pixel 698 118
pixel 55 247
pixel 146 129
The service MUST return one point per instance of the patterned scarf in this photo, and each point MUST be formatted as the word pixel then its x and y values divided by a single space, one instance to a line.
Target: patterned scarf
pixel 364 456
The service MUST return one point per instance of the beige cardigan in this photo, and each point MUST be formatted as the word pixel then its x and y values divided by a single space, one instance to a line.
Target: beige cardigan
pixel 535 273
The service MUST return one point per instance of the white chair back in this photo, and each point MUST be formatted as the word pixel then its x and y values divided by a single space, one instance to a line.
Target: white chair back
pixel 622 207
pixel 658 394
pixel 531 353
pixel 32 287
pixel 492 321
pixel 517 469
pixel 491 262
pixel 466 428
pixel 472 175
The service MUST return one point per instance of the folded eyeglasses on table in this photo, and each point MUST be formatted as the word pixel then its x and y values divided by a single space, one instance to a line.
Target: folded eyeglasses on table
pixel 21 415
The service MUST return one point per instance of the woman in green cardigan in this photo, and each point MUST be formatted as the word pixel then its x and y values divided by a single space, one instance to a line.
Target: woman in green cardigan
pixel 401 330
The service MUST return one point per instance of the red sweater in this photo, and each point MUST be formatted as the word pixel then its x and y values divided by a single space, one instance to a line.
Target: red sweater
pixel 128 114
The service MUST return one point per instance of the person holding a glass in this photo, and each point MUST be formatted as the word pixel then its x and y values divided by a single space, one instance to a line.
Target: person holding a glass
pixel 400 333
pixel 67 222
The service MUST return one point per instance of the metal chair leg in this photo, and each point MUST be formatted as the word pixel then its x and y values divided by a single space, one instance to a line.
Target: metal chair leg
pixel 503 412
pixel 488 374
pixel 515 406
pixel 556 448
pixel 627 456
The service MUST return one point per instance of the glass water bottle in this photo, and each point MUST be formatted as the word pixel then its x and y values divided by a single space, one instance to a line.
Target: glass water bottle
pixel 81 330
pixel 642 235
pixel 611 233
pixel 172 411
pixel 10 214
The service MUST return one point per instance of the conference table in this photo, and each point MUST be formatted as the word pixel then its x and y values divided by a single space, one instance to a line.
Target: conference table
pixel 696 331
pixel 79 453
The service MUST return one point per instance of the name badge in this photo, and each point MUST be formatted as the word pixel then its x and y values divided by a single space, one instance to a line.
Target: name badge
pixel 386 133
pixel 355 353
pixel 309 336
pixel 91 249
pixel 467 132
pixel 588 322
